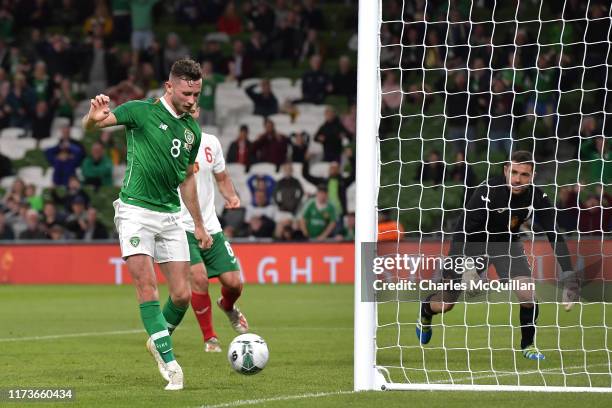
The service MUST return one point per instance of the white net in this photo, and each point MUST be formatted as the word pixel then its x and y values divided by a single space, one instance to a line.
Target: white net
pixel 465 84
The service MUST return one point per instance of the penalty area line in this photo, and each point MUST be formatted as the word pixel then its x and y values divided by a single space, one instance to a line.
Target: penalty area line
pixel 70 335
pixel 239 403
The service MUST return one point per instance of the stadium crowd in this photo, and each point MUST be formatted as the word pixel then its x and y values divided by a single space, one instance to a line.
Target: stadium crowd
pixel 55 54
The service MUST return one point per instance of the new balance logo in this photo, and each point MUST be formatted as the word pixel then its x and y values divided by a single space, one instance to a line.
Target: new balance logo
pixel 202 311
pixel 485 199
pixel 163 126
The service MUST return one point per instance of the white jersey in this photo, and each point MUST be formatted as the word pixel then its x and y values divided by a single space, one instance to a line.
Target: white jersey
pixel 208 161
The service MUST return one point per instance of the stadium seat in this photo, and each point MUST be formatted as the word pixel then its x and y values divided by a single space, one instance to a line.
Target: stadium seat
pixel 263 168
pixel 211 130
pixel 351 194
pixel 12 133
pixel 77 133
pixel 281 83
pixel 47 143
pixel 282 121
pixel 31 174
pixel 13 149
pixel 319 169
pixel 47 180
pixel 217 37
pixel 7 182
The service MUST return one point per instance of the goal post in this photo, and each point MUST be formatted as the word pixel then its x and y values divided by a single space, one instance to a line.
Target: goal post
pixel 368 106
pixel 446 91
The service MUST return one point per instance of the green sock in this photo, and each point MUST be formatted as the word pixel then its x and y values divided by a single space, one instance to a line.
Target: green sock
pixel 155 325
pixel 173 314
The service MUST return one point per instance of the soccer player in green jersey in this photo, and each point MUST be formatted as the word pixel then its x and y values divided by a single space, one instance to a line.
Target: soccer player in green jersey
pixel 162 142
pixel 218 261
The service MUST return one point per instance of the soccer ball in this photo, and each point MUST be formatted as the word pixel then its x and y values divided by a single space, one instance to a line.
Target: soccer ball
pixel 248 354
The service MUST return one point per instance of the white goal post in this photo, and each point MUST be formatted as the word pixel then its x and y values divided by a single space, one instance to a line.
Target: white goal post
pixel 475 347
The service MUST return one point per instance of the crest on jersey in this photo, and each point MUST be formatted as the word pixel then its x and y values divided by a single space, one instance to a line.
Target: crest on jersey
pixel 134 241
pixel 189 136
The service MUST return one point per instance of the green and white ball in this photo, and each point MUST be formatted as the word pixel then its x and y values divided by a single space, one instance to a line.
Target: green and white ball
pixel 248 354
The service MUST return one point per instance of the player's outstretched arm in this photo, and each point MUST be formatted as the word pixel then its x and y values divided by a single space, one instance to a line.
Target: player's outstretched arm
pixel 227 190
pixel 99 115
pixel 189 193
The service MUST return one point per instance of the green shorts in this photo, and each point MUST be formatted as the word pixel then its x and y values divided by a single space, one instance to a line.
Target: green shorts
pixel 218 259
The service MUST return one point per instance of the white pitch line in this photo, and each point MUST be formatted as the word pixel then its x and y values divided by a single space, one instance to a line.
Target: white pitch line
pixel 69 335
pixel 239 403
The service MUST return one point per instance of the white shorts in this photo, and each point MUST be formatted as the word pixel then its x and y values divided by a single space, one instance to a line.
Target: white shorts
pixel 157 234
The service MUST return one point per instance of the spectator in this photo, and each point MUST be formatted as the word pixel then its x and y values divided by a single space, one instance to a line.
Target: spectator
pixel 288 192
pixel 6 232
pixel 311 46
pixel 142 24
pixel 568 208
pixel 261 17
pixel 345 80
pixel 34 229
pixel 21 101
pixel 265 102
pixel 16 215
pixel 50 216
pixel 462 173
pixel 391 93
pixel 16 192
pixel 597 159
pixel 41 120
pixel 57 233
pixel 242 64
pixel 256 48
pixel 97 168
pixel 230 23
pixel 349 120
pixel 312 16
pixel 593 218
pixel 271 146
pixel 347 232
pixel 316 84
pixel 206 102
pixel 65 136
pixel 126 90
pixel 41 83
pixel 110 147
pixel 122 22
pixel 100 21
pixel 456 111
pixel 388 229
pixel 6 166
pixel 500 127
pixel 261 182
pixel 287 41
pixel 173 51
pixel 65 159
pixel 331 135
pixel 77 216
pixel 260 216
pixel 211 51
pixel 98 67
pixel 299 147
pixel 431 170
pixel 319 216
pixel 64 100
pixel 34 200
pixel 241 150
pixel 90 228
pixel 335 182
pixel 74 190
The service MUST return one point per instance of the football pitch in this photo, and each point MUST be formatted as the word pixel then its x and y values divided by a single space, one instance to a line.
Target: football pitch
pixel 90 339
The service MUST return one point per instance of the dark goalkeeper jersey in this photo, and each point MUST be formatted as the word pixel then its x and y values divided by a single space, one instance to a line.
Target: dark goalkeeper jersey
pixel 494 214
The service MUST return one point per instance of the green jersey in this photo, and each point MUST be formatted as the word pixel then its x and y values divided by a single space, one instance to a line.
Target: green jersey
pixel 317 219
pixel 160 147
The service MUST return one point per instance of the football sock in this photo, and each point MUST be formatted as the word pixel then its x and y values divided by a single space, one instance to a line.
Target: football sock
pixel 426 312
pixel 200 303
pixel 155 325
pixel 173 314
pixel 528 317
pixel 230 296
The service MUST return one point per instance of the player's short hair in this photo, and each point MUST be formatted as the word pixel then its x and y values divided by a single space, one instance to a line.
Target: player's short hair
pixel 523 157
pixel 186 69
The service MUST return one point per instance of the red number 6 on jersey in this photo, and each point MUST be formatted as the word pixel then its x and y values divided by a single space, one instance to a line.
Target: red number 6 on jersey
pixel 208 153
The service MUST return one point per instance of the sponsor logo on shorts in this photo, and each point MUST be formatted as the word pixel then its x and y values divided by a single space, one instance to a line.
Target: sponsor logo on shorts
pixel 134 241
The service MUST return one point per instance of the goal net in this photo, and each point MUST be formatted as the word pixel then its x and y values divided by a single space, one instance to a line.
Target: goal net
pixel 459 86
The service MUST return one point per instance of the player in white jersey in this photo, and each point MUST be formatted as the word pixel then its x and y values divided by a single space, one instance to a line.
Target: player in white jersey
pixel 219 260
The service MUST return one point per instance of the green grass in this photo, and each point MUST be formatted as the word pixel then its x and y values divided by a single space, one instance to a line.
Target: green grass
pixel 308 330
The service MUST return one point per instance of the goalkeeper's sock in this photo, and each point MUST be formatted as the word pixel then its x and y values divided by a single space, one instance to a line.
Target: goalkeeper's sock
pixel 229 297
pixel 156 327
pixel 426 312
pixel 528 317
pixel 173 314
pixel 201 305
